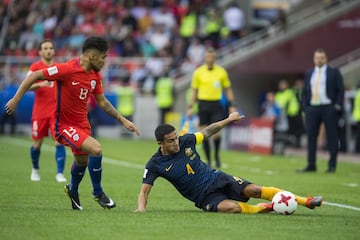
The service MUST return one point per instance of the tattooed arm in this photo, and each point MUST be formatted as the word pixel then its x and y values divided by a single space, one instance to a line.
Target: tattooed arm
pixel 217 126
pixel 107 107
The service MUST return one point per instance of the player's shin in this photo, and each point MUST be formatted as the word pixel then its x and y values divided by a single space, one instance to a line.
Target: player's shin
pixel 60 158
pixel 77 174
pixel 269 192
pixel 95 171
pixel 35 155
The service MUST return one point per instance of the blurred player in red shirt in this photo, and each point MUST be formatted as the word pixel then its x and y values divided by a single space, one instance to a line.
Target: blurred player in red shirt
pixel 76 80
pixel 43 118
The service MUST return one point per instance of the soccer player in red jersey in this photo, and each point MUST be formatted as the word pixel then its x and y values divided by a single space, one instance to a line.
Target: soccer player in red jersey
pixel 43 118
pixel 76 80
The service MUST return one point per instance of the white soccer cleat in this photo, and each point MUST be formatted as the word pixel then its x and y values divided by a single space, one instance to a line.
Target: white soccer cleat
pixel 60 177
pixel 35 175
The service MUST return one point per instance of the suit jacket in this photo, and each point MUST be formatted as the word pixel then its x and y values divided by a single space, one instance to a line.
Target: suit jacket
pixel 334 87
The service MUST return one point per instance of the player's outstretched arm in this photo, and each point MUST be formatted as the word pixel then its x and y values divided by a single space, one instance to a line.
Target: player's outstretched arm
pixel 107 107
pixel 40 84
pixel 217 126
pixel 24 86
pixel 143 197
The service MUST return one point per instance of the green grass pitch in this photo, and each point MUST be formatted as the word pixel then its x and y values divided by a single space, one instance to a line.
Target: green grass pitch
pixel 41 210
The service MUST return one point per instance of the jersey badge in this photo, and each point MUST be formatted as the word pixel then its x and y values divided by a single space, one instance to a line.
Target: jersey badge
pixel 189 152
pixel 52 70
pixel 93 84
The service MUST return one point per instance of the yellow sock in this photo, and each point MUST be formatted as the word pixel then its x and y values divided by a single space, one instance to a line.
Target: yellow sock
pixel 246 208
pixel 269 192
pixel 300 200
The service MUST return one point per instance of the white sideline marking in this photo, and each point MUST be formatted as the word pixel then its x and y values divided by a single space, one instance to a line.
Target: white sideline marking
pixel 48 148
pixel 341 206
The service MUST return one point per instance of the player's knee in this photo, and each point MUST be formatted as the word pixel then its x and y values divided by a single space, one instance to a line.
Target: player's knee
pixel 252 191
pixel 229 206
pixel 37 144
pixel 96 150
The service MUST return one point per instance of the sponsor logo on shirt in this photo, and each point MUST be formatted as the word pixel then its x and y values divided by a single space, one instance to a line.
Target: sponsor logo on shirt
pixel 52 70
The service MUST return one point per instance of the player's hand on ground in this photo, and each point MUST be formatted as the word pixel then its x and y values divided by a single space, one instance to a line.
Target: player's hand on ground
pixel 11 106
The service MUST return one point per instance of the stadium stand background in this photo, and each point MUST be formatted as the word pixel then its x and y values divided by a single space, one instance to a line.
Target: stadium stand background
pixel 277 42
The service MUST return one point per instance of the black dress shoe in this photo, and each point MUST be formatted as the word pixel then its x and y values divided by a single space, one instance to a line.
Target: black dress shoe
pixel 307 169
pixel 330 170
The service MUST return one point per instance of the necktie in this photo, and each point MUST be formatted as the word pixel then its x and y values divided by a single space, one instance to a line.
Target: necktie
pixel 315 98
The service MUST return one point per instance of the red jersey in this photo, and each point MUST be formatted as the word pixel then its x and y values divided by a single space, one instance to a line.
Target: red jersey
pixel 45 101
pixel 74 86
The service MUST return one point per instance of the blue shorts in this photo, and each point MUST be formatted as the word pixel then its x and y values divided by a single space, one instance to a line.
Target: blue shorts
pixel 224 187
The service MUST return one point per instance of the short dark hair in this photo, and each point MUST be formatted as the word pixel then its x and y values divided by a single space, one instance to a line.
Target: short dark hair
pixel 320 50
pixel 45 41
pixel 162 130
pixel 97 43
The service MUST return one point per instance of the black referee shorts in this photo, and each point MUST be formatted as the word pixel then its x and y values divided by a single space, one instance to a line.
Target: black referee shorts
pixel 210 112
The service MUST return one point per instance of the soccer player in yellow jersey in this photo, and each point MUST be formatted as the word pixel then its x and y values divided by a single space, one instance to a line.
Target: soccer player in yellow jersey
pixel 210 81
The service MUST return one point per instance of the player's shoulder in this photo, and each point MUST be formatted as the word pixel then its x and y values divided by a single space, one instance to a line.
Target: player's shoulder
pixel 153 162
pixel 188 138
pixel 69 66
pixel 37 65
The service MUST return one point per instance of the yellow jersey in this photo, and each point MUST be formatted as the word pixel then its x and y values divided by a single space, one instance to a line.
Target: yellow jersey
pixel 210 83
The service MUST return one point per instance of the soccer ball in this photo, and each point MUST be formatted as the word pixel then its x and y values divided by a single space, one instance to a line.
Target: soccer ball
pixel 284 203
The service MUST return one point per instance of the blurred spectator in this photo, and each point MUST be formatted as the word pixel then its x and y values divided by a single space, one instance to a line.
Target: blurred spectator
pixel 135 28
pixel 138 76
pixel 145 21
pixel 162 16
pixel 234 20
pixel 125 101
pixel 49 22
pixel 28 39
pixel 159 37
pixel 8 91
pixel 188 26
pixel 11 40
pixel 129 20
pixel 187 66
pixel 130 48
pixel 286 99
pixel 213 27
pixel 155 65
pixel 164 96
pixel 271 111
pixel 298 127
pixel 196 51
pixel 356 118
